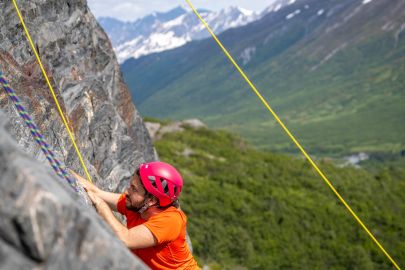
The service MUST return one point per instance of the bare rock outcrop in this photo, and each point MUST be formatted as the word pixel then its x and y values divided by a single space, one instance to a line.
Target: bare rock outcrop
pixel 157 130
pixel 41 223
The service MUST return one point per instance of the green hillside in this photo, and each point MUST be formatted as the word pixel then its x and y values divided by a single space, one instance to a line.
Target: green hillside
pixel 338 83
pixel 251 209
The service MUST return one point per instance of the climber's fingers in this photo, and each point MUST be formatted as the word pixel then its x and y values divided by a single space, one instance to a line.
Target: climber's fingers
pixel 86 184
pixel 94 198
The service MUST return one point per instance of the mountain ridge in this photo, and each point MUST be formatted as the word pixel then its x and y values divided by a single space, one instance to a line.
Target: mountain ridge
pixel 167 30
pixel 323 70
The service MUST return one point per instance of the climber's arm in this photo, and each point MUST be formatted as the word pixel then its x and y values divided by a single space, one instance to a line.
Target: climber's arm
pixel 137 237
pixel 109 197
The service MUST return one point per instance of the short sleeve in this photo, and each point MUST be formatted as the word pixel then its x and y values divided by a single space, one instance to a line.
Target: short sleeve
pixel 166 226
pixel 121 205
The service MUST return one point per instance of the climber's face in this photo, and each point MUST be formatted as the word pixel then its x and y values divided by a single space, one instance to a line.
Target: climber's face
pixel 135 194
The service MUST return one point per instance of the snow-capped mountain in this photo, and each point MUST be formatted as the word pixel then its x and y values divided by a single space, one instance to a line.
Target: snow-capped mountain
pixel 276 5
pixel 162 31
pixel 121 32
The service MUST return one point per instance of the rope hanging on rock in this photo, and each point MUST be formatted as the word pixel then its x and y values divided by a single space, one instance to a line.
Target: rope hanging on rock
pixel 57 166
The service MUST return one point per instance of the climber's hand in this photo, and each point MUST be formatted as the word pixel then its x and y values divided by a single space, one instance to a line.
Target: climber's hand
pixel 109 197
pixel 86 184
pixel 97 201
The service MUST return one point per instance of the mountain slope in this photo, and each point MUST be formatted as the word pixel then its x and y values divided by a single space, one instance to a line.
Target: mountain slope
pixel 333 70
pixel 251 209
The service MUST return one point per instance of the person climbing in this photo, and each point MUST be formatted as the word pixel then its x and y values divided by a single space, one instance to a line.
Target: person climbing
pixel 156 227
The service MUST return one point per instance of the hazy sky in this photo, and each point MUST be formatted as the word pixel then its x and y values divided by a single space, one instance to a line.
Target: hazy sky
pixel 130 10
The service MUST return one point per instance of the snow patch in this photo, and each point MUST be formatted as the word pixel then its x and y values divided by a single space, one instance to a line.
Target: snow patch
pixel 247 54
pixel 366 1
pixel 291 15
pixel 156 42
pixel 246 12
pixel 329 56
pixel 388 27
pixel 176 22
pixel 320 12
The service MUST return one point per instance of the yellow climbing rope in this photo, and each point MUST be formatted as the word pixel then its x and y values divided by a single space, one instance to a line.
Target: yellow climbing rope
pixel 51 89
pixel 292 137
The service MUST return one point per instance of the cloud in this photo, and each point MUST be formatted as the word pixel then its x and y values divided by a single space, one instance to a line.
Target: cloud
pixel 130 10
pixel 124 9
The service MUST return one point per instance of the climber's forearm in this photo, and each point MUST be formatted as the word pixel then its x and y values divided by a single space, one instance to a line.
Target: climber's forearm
pixel 110 198
pixel 137 237
pixel 105 212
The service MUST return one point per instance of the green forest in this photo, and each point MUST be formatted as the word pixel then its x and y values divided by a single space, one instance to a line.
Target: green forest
pixel 254 209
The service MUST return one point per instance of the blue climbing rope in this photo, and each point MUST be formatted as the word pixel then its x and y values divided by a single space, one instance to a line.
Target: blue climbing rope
pixel 57 166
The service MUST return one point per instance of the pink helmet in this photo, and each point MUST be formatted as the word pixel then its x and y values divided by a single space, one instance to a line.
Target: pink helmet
pixel 161 180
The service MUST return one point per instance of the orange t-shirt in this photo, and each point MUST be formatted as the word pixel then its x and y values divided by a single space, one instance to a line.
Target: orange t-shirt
pixel 169 228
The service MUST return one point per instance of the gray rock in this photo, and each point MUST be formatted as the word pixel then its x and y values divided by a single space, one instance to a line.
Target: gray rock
pixel 43 226
pixel 42 223
pixel 194 123
pixel 156 130
pixel 85 75
pixel 153 128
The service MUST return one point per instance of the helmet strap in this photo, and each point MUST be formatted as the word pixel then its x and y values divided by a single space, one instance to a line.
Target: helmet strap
pixel 145 205
pixel 143 208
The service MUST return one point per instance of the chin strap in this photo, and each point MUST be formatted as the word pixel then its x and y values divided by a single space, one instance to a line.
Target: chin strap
pixel 145 205
pixel 143 208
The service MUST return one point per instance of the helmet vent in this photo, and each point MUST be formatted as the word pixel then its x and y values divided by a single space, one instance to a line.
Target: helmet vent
pixel 152 180
pixel 164 185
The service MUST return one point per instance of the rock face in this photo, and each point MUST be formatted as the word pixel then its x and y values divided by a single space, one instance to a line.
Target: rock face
pixel 42 225
pixel 79 60
pixel 38 213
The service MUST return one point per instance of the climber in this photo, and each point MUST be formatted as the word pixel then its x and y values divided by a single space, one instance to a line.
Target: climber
pixel 156 227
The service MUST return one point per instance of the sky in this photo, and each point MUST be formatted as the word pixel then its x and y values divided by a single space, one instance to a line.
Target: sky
pixel 130 10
